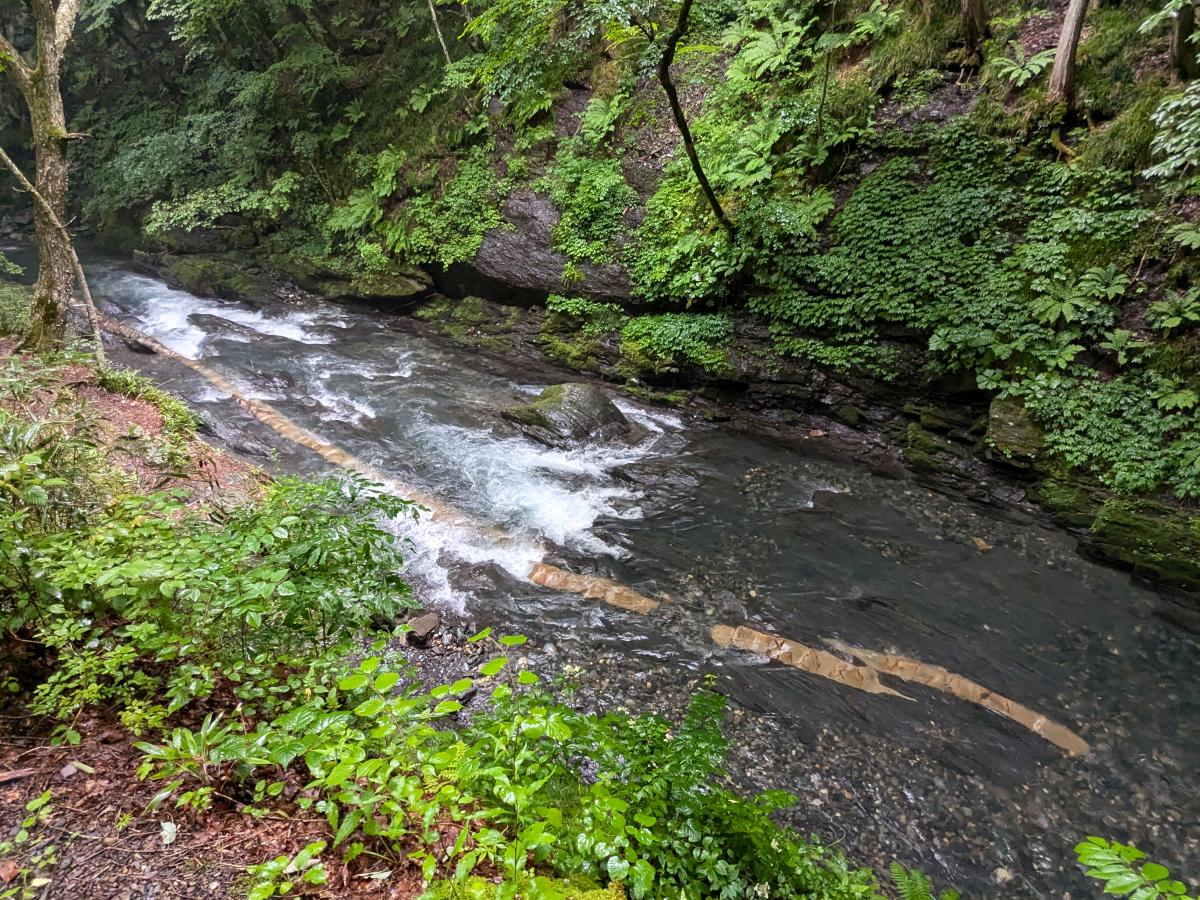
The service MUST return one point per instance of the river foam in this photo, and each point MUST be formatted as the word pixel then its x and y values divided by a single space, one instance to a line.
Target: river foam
pixel 402 404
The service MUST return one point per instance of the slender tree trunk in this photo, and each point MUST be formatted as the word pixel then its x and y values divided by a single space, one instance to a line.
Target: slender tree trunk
pixel 437 27
pixel 1183 51
pixel 825 82
pixel 1062 78
pixel 689 145
pixel 975 29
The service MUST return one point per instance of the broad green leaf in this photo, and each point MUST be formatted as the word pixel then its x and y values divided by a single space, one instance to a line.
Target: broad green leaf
pixel 386 681
pixel 491 668
pixel 352 682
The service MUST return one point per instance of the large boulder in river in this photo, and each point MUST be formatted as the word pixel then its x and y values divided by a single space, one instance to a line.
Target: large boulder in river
pixel 570 413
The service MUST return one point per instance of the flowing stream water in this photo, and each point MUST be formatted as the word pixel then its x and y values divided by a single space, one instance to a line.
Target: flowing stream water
pixel 735 528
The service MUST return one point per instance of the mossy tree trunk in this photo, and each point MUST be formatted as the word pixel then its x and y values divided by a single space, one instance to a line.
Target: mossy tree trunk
pixel 1062 78
pixel 1183 50
pixel 38 83
pixel 975 29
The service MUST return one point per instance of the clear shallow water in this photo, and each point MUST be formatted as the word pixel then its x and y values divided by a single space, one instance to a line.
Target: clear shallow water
pixel 737 529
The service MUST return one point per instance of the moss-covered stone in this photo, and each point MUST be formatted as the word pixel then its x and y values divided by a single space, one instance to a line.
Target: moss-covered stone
pixel 1153 538
pixel 920 449
pixel 215 276
pixel 1012 434
pixel 939 419
pixel 670 398
pixel 1150 536
pixel 572 351
pixel 565 413
pixel 382 287
pixel 849 414
pixel 473 321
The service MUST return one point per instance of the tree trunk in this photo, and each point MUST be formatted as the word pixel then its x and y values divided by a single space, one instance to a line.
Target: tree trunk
pixel 437 28
pixel 689 145
pixel 1183 51
pixel 38 84
pixel 975 29
pixel 52 293
pixel 89 305
pixel 1062 78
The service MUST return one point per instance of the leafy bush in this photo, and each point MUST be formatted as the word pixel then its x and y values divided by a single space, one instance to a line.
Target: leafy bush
pixel 15 300
pixel 677 339
pixel 1114 864
pixel 1018 70
pixel 52 476
pixel 527 788
pixel 592 196
pixel 450 228
pixel 154 600
pixel 597 318
pixel 1176 144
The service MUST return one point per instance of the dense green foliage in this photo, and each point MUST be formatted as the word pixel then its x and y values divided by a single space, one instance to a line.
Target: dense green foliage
pixel 391 777
pixel 897 213
pixel 342 141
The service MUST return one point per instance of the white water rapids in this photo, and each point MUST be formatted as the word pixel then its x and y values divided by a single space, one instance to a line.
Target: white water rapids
pixel 419 427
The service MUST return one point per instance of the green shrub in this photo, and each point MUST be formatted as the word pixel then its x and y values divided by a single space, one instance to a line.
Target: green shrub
pixel 153 600
pixel 388 776
pixel 593 197
pixel 1119 866
pixel 597 318
pixel 15 300
pixel 678 339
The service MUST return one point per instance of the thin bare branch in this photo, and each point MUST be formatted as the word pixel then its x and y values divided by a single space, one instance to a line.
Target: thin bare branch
pixel 437 27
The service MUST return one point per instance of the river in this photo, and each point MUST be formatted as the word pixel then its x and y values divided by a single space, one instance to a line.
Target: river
pixel 731 527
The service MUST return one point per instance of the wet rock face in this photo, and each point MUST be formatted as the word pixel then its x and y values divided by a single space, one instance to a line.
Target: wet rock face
pixel 569 413
pixel 231 436
pixel 520 261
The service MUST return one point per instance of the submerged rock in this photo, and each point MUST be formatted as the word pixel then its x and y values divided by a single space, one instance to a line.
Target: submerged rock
pixel 569 413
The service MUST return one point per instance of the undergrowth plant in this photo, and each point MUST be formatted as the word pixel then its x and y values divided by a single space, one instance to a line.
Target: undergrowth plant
pixel 153 605
pixel 678 339
pixel 1018 69
pixel 1124 874
pixel 592 197
pixel 525 786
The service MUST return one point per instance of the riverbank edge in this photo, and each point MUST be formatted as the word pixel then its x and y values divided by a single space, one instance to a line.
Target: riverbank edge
pixel 941 431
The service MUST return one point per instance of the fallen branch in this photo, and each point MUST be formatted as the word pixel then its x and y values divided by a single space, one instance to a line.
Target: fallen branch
pixel 948 682
pixel 801 656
